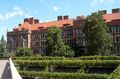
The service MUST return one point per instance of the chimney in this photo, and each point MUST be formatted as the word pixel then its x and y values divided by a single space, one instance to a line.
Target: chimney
pixel 103 11
pixel 26 20
pixel 31 20
pixel 116 10
pixel 20 24
pixel 36 21
pixel 60 18
pixel 66 17
pixel 78 17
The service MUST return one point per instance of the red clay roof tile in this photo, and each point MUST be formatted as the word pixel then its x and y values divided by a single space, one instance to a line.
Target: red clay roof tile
pixel 59 23
pixel 110 17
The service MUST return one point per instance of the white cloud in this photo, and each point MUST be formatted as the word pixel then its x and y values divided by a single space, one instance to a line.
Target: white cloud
pixel 97 2
pixel 16 8
pixel 56 8
pixel 17 11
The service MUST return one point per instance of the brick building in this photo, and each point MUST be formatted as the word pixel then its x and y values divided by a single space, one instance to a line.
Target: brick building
pixel 32 33
pixel 113 22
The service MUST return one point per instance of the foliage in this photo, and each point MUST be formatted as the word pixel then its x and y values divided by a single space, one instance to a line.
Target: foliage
pixel 76 63
pixel 56 75
pixel 115 74
pixel 82 62
pixel 98 40
pixel 56 46
pixel 75 47
pixel 100 57
pixel 3 46
pixel 39 58
pixel 24 52
pixel 66 58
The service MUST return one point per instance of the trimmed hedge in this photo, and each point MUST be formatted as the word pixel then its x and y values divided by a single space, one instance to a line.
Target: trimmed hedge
pixel 78 63
pixel 39 58
pixel 56 75
pixel 66 58
pixel 82 62
pixel 115 74
pixel 100 58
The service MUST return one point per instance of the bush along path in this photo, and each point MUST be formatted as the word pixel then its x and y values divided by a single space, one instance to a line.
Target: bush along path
pixel 59 67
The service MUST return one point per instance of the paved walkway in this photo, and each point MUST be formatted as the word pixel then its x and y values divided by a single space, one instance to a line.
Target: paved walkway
pixel 5 70
pixel 8 70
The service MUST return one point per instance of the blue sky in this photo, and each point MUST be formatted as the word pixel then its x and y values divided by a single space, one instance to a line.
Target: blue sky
pixel 13 12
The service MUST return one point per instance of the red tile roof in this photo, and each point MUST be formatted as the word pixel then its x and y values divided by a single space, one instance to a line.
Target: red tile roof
pixel 59 23
pixel 25 25
pixel 110 17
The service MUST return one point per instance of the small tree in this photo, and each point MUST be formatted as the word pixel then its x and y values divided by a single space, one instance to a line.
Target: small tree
pixel 98 39
pixel 3 46
pixel 55 44
pixel 24 52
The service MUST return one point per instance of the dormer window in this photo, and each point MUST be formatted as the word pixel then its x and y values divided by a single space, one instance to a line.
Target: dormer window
pixel 66 25
pixel 23 28
pixel 40 28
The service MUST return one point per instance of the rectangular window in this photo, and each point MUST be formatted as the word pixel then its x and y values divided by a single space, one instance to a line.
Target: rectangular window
pixel 79 40
pixel 43 35
pixel 69 41
pixel 110 30
pixel 62 34
pixel 43 43
pixel 36 36
pixel 117 29
pixel 117 39
pixel 69 33
pixel 36 43
pixel 117 49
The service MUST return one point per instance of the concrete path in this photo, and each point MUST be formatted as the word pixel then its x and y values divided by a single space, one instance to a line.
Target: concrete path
pixel 8 70
pixel 5 70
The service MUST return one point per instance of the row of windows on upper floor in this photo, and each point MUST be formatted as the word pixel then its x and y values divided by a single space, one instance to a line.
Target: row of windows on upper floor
pixel 21 43
pixel 37 43
pixel 116 29
pixel 68 33
pixel 79 41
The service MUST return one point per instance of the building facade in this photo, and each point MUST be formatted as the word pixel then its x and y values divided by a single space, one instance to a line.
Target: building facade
pixel 113 22
pixel 32 33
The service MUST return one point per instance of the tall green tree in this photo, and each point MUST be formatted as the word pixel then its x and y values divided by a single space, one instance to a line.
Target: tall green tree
pixel 3 46
pixel 97 36
pixel 55 44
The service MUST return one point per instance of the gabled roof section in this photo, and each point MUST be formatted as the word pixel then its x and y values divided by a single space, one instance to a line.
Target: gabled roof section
pixel 59 23
pixel 110 17
pixel 24 26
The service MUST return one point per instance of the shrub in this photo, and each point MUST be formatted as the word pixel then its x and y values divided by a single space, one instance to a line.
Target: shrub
pixel 56 75
pixel 99 58
pixel 24 52
pixel 86 63
pixel 115 74
pixel 39 58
